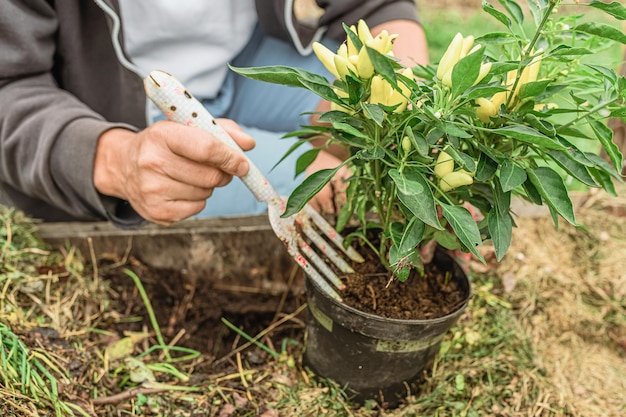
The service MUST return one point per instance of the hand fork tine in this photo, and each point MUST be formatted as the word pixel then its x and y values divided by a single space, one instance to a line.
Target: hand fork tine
pixel 180 106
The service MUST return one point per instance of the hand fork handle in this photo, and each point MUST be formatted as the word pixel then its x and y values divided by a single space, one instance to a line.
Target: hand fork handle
pixel 173 99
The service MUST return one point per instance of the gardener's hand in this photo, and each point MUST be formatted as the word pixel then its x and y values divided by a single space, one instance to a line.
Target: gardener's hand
pixel 168 170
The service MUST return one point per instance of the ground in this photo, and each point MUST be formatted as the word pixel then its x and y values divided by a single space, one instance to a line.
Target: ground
pixel 544 335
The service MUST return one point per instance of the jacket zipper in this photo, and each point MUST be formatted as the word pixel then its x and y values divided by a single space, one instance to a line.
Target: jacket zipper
pixel 119 51
pixel 115 37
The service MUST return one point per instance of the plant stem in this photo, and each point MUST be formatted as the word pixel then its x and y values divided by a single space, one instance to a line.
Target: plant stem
pixel 526 52
pixel 593 110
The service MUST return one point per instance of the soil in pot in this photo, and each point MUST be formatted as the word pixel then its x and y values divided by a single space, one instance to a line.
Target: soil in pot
pixel 372 290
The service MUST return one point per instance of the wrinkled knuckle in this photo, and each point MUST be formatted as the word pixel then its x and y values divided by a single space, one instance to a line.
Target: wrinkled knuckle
pixel 146 160
pixel 214 178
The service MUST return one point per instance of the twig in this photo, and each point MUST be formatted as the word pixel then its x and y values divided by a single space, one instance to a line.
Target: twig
pixel 133 392
pixel 244 382
pixel 283 299
pixel 373 294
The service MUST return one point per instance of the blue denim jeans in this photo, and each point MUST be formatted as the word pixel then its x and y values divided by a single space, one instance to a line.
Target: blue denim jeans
pixel 266 112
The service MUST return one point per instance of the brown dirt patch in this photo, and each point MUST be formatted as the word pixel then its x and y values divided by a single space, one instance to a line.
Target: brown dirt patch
pixel 197 306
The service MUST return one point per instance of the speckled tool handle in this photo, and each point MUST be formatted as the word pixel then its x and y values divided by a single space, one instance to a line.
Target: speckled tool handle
pixel 180 106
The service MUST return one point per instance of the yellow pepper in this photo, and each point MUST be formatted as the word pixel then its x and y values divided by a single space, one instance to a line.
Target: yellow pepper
pixel 364 64
pixel 466 46
pixel 458 49
pixel 364 31
pixel 486 109
pixel 455 179
pixel 326 57
pixel 529 74
pixel 444 164
pixel 380 90
pixel 482 73
pixel 451 56
pixel 401 97
pixel 383 42
pixel 343 66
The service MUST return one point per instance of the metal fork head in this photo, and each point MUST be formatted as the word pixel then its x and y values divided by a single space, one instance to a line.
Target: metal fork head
pixel 309 222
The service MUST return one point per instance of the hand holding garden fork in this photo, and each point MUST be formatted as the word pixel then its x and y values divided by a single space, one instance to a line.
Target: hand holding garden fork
pixel 180 106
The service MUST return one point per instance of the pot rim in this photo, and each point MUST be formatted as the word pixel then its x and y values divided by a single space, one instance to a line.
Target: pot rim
pixel 375 317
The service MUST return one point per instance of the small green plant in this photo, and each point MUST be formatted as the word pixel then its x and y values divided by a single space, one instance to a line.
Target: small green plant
pixel 32 374
pixel 506 114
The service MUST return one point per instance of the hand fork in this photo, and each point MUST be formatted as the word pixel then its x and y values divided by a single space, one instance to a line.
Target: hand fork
pixel 180 106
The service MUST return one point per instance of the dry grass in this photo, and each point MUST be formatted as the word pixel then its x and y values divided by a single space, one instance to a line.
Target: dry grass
pixel 570 295
pixel 545 335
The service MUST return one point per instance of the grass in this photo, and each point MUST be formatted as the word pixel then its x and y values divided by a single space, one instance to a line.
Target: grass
pixel 544 335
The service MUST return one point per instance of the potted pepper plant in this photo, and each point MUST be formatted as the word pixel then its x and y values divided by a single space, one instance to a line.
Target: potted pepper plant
pixel 436 154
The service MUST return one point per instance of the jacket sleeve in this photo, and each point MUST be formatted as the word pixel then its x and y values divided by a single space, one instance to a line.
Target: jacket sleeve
pixel 47 136
pixel 280 18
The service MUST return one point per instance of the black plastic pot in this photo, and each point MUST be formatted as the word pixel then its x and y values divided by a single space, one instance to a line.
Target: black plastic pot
pixel 374 357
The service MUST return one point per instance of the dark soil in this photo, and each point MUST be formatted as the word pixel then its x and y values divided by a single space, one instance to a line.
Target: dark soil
pixel 196 306
pixel 373 290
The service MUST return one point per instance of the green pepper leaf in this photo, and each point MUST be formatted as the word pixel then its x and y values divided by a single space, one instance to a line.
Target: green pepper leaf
pixel 574 168
pixel 605 136
pixel 383 66
pixel 353 37
pixel 464 226
pixel 374 112
pixel 446 239
pixel 278 75
pixel 550 186
pixel 496 38
pixel 486 167
pixel 534 88
pixel 323 90
pixel 306 159
pixel 350 130
pixel 414 192
pixel 602 30
pixel 511 176
pixel 501 231
pixel 308 188
pixel 615 9
pixel 501 17
pixel 529 135
pixel 514 10
pixel 502 198
pixel 465 72
pixel 412 235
